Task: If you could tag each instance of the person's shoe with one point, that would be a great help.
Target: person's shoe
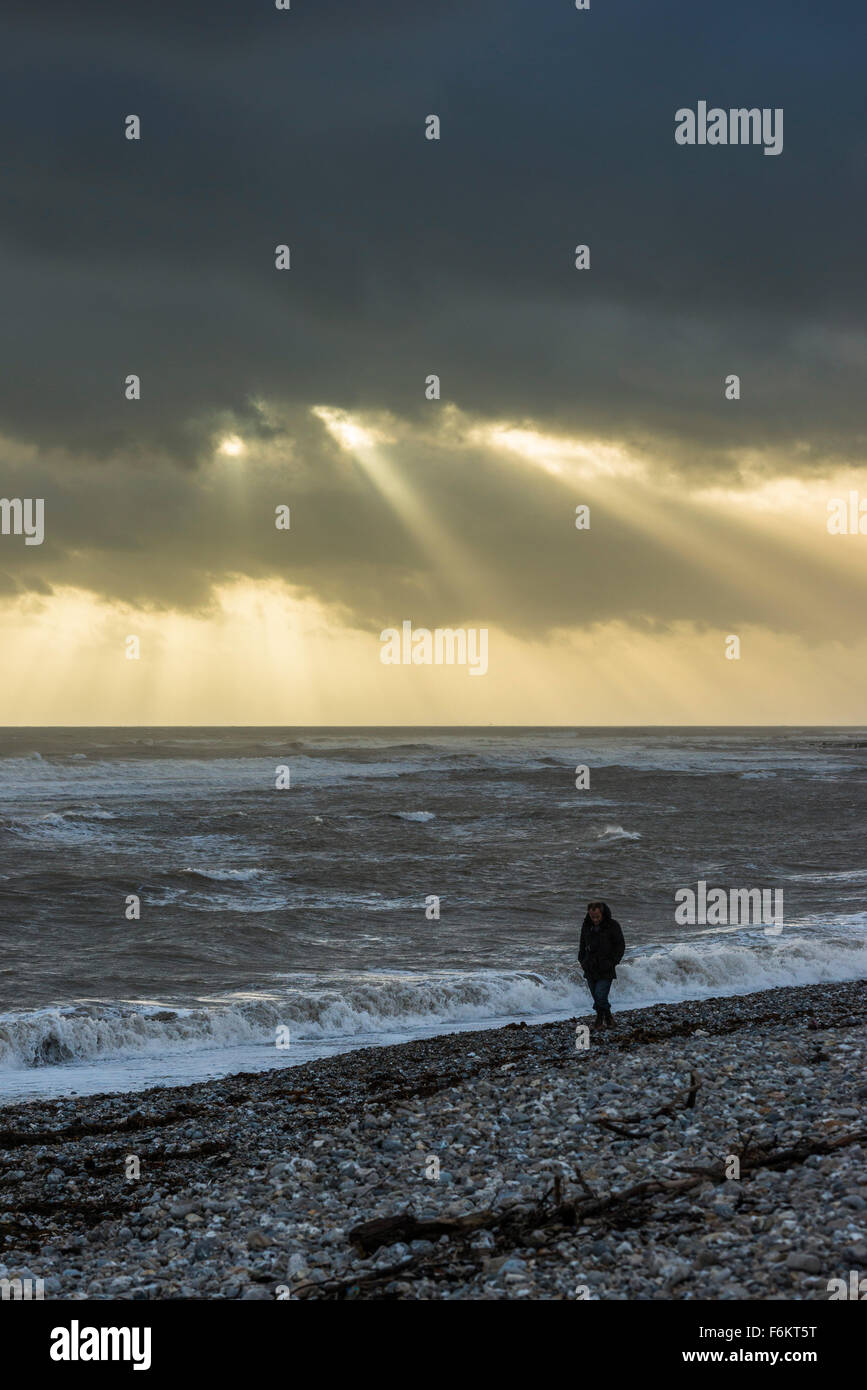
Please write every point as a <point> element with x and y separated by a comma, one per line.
<point>609,1021</point>
<point>597,1024</point>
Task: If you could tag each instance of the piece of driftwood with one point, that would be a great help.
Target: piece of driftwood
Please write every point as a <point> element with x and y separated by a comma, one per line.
<point>623,1124</point>
<point>604,1122</point>
<point>671,1107</point>
<point>584,1183</point>
<point>387,1230</point>
<point>375,1279</point>
<point>511,1227</point>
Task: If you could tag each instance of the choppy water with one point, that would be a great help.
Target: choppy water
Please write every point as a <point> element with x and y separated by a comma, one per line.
<point>305,907</point>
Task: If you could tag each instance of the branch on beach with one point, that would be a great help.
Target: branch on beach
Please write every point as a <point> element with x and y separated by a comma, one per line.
<point>387,1230</point>
<point>585,1184</point>
<point>420,1267</point>
<point>782,1158</point>
<point>605,1123</point>
<point>619,1123</point>
<point>779,1158</point>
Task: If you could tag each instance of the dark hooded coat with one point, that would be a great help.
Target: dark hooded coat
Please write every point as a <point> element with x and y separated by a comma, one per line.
<point>601,947</point>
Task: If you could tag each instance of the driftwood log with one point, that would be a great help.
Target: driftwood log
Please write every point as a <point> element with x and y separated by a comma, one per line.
<point>511,1226</point>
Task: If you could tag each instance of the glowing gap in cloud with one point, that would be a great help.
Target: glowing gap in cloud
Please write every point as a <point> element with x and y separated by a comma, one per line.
<point>459,566</point>
<point>232,446</point>
<point>579,459</point>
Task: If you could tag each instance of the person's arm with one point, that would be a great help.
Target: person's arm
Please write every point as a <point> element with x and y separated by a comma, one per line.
<point>582,949</point>
<point>619,943</point>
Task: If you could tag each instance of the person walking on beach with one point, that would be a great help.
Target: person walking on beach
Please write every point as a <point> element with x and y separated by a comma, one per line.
<point>601,949</point>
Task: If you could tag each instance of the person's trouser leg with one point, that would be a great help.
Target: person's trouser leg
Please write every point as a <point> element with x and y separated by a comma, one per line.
<point>600,997</point>
<point>591,985</point>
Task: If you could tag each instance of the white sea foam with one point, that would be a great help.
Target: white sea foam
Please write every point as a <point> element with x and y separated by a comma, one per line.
<point>836,876</point>
<point>616,832</point>
<point>60,827</point>
<point>223,875</point>
<point>733,964</point>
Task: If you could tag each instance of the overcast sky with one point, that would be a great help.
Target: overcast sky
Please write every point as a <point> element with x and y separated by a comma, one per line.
<point>306,387</point>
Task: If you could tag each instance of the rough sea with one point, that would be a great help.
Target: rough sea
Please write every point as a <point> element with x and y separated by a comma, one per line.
<point>302,913</point>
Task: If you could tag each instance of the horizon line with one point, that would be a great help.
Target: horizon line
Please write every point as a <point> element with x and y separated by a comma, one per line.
<point>16,728</point>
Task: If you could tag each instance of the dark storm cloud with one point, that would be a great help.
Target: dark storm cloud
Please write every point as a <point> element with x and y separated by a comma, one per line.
<point>410,257</point>
<point>489,543</point>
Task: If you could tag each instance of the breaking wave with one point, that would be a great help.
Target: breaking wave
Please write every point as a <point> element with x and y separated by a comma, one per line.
<point>616,832</point>
<point>60,827</point>
<point>350,1010</point>
<point>223,875</point>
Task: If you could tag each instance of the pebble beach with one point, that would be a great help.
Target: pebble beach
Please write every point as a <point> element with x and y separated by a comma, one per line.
<point>706,1150</point>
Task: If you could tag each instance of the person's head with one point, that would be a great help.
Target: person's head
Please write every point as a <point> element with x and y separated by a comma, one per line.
<point>596,911</point>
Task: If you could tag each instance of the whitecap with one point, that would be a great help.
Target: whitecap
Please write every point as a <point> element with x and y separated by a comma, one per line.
<point>616,832</point>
